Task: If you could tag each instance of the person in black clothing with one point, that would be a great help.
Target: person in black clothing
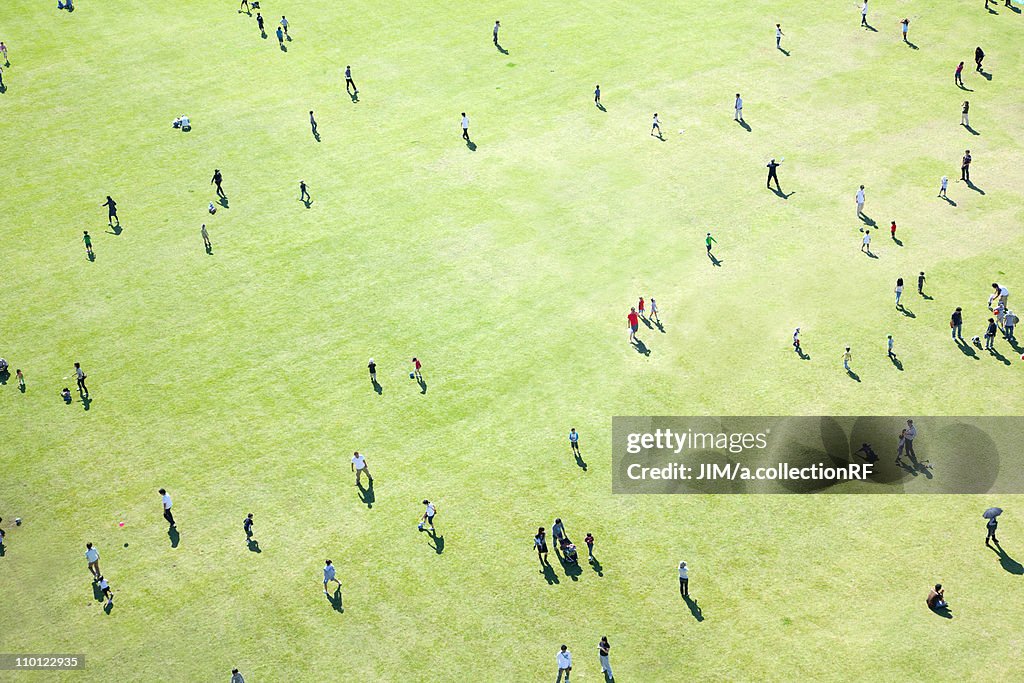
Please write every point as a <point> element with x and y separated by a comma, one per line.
<point>247,526</point>
<point>920,283</point>
<point>979,56</point>
<point>372,366</point>
<point>965,167</point>
<point>773,174</point>
<point>348,80</point>
<point>964,118</point>
<point>259,22</point>
<point>992,524</point>
<point>869,453</point>
<point>956,323</point>
<point>80,378</point>
<point>990,334</point>
<point>217,180</point>
<point>304,192</point>
<point>312,122</point>
<point>111,211</point>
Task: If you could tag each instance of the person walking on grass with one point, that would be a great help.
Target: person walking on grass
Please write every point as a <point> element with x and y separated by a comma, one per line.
<point>88,244</point>
<point>958,76</point>
<point>738,109</point>
<point>654,311</point>
<point>372,367</point>
<point>284,26</point>
<point>217,180</point>
<point>359,466</point>
<point>165,500</point>
<point>773,174</point>
<point>860,202</point>
<point>349,83</point>
<point>1010,320</point>
<point>244,5</point>
<point>428,515</point>
<point>656,125</point>
<point>847,357</point>
<point>905,25</point>
<point>111,211</point>
<point>236,677</point>
<point>280,37</point>
<point>465,127</point>
<point>684,580</point>
<point>796,341</point>
<point>892,231</point>
<point>564,660</point>
<point>920,283</point>
<point>864,14</point>
<point>259,23</point>
<point>640,308</point>
<point>21,380</point>
<point>80,378</point>
<point>304,192</point>
<point>597,95</point>
<point>589,540</point>
<point>991,525</point>
<point>312,123</point>
<point>247,525</point>
<point>898,290</point>
<point>979,57</point>
<point>541,545</point>
<point>778,36</point>
<point>3,51</point>
<point>603,650</point>
<point>965,167</point>
<point>708,240</point>
<point>865,244</point>
<point>574,441</point>
<point>944,183</point>
<point>330,575</point>
<point>909,434</point>
<point>634,324</point>
<point>889,347</point>
<point>206,237</point>
<point>92,556</point>
<point>558,533</point>
<point>956,324</point>
<point>990,335</point>
<point>105,591</point>
<point>497,26</point>
<point>964,120</point>
<point>416,367</point>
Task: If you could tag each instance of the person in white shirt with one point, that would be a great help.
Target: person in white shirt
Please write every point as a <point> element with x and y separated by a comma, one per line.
<point>166,500</point>
<point>945,183</point>
<point>236,677</point>
<point>778,36</point>
<point>465,127</point>
<point>105,590</point>
<point>1002,292</point>
<point>359,466</point>
<point>860,202</point>
<point>654,312</point>
<point>329,576</point>
<point>497,25</point>
<point>656,125</point>
<point>684,580</point>
<point>865,244</point>
<point>284,26</point>
<point>738,116</point>
<point>564,659</point>
<point>864,14</point>
<point>93,557</point>
<point>908,436</point>
<point>206,238</point>
<point>428,515</point>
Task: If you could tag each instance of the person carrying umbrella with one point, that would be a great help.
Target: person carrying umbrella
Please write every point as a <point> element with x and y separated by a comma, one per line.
<point>991,515</point>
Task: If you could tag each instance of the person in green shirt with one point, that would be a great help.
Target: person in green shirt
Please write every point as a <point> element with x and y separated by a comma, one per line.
<point>708,240</point>
<point>88,243</point>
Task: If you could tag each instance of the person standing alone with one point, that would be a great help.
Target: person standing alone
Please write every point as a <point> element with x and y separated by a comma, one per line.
<point>778,36</point>
<point>166,501</point>
<point>684,579</point>
<point>965,167</point>
<point>956,323</point>
<point>111,211</point>
<point>217,180</point>
<point>359,466</point>
<point>603,650</point>
<point>964,121</point>
<point>992,525</point>
<point>773,174</point>
<point>497,25</point>
<point>465,127</point>
<point>206,238</point>
<point>564,660</point>
<point>574,441</point>
<point>738,106</point>
<point>80,378</point>
<point>349,83</point>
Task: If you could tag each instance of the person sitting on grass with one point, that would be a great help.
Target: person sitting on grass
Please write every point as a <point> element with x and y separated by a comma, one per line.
<point>66,395</point>
<point>936,598</point>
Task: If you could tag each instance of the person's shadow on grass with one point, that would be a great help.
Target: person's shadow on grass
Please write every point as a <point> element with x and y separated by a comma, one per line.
<point>307,202</point>
<point>355,96</point>
<point>966,349</point>
<point>695,609</point>
<point>253,545</point>
<point>801,354</point>
<point>116,229</point>
<point>974,187</point>
<point>596,566</point>
<point>899,243</point>
<point>91,257</point>
<point>549,574</point>
<point>601,106</point>
<point>97,594</point>
<point>780,194</point>
<point>897,363</point>
<point>987,75</point>
<point>377,387</point>
<point>436,542</point>
<point>853,375</point>
<point>745,126</point>
<point>641,348</point>
<point>335,601</point>
<point>661,328</point>
<point>970,130</point>
<point>907,312</point>
<point>647,322</point>
<point>868,220</point>
<point>783,51</point>
<point>174,536</point>
<point>944,612</point>
<point>366,495</point>
<point>501,49</point>
<point>949,201</point>
<point>715,261</point>
<point>580,462</point>
<point>223,201</point>
<point>998,356</point>
<point>871,28</point>
<point>422,384</point>
<point>86,402</point>
<point>911,45</point>
<point>471,145</point>
<point>1008,563</point>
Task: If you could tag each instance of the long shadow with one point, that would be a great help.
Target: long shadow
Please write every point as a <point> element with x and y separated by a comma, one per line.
<point>661,328</point>
<point>115,229</point>
<point>872,254</point>
<point>803,356</point>
<point>570,569</point>
<point>436,542</point>
<point>907,312</point>
<point>909,469</point>
<point>926,297</point>
<point>366,495</point>
<point>964,87</point>
<point>966,349</point>
<point>868,220</point>
<point>949,201</point>
<point>1009,564</point>
<point>316,136</point>
<point>970,130</point>
<point>471,145</point>
<point>549,574</point>
<point>745,125</point>
<point>307,202</point>
<point>253,545</point>
<point>108,608</point>
<point>284,48</point>
<point>695,609</point>
<point>715,261</point>
<point>974,187</point>
<point>263,35</point>
<point>783,51</point>
<point>911,45</point>
<point>648,323</point>
<point>988,76</point>
<point>172,533</point>
<point>580,462</point>
<point>378,388</point>
<point>871,28</point>
<point>596,566</point>
<point>355,96</point>
<point>223,201</point>
<point>601,107</point>
<point>998,356</point>
<point>335,601</point>
<point>659,136</point>
<point>641,348</point>
<point>853,375</point>
<point>501,49</point>
<point>209,250</point>
<point>943,612</point>
<point>423,385</point>
<point>1015,346</point>
<point>91,257</point>
<point>781,194</point>
<point>898,242</point>
<point>97,594</point>
<point>897,362</point>
<point>1015,10</point>
<point>86,402</point>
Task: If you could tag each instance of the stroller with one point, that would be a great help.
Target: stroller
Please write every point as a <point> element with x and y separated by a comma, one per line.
<point>569,554</point>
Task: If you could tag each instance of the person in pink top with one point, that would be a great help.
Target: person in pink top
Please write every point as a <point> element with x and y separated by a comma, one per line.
<point>634,324</point>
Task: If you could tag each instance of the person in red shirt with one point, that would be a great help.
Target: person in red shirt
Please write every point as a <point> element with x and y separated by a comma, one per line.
<point>640,308</point>
<point>892,229</point>
<point>634,324</point>
<point>416,365</point>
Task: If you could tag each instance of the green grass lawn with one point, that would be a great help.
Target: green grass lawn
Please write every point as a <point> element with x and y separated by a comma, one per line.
<point>238,380</point>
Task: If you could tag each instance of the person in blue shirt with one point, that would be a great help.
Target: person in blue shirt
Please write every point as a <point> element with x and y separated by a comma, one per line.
<point>574,441</point>
<point>992,525</point>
